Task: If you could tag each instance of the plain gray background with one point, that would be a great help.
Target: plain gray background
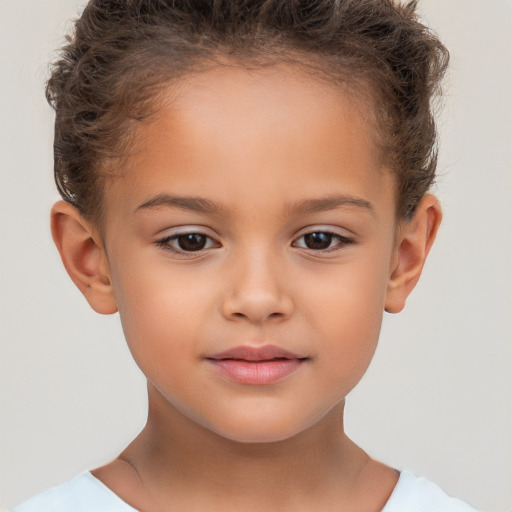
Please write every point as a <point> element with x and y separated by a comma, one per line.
<point>437,399</point>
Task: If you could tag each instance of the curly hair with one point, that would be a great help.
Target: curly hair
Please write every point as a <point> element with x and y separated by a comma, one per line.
<point>123,52</point>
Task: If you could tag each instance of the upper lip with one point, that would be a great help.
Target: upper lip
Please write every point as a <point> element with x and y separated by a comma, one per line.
<point>263,353</point>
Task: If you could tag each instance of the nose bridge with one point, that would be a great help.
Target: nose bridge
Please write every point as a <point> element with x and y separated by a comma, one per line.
<point>257,289</point>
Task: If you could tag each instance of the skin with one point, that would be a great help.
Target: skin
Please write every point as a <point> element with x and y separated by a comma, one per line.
<point>263,147</point>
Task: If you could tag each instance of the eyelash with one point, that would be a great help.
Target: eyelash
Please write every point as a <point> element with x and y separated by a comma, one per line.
<point>165,243</point>
<point>343,241</point>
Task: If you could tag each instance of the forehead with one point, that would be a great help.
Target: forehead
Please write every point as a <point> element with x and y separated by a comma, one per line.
<point>267,131</point>
<point>280,97</point>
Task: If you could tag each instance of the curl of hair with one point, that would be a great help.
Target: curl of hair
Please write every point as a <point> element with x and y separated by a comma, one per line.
<point>121,52</point>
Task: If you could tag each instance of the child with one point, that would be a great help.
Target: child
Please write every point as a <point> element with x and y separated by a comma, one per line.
<point>246,182</point>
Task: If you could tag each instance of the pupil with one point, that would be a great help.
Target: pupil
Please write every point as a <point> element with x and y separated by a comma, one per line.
<point>192,242</point>
<point>318,240</point>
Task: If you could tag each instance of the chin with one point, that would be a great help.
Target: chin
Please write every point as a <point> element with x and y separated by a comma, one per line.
<point>256,436</point>
<point>260,430</point>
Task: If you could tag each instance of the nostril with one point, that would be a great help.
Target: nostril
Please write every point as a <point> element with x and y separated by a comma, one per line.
<point>276,314</point>
<point>256,307</point>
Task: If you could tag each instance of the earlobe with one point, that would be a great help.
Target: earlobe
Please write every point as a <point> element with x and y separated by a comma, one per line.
<point>83,256</point>
<point>414,241</point>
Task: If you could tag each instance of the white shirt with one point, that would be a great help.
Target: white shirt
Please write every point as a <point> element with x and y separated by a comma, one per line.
<point>85,493</point>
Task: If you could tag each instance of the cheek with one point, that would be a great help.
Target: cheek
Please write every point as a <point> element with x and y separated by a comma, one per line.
<point>347,320</point>
<point>159,313</point>
<point>348,349</point>
<point>351,298</point>
<point>352,328</point>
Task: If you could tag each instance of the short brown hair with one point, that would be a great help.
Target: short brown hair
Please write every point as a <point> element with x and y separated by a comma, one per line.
<point>122,51</point>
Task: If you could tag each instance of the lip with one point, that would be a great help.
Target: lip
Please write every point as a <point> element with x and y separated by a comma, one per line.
<point>257,366</point>
<point>262,353</point>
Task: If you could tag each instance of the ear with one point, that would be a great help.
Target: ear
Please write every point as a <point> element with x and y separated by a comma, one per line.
<point>414,240</point>
<point>84,256</point>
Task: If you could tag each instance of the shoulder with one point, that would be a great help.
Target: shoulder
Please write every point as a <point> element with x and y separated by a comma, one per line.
<point>421,495</point>
<point>84,493</point>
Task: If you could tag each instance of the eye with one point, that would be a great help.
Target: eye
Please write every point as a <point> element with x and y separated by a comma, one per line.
<point>187,242</point>
<point>323,241</point>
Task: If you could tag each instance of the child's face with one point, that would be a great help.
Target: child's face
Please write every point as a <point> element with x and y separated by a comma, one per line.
<point>254,165</point>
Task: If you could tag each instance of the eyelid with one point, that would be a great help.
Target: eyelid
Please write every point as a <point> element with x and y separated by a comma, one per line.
<point>164,240</point>
<point>344,240</point>
<point>332,230</point>
<point>186,229</point>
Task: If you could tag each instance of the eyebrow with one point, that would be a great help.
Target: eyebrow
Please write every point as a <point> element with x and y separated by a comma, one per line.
<point>329,203</point>
<point>194,204</point>
<point>203,205</point>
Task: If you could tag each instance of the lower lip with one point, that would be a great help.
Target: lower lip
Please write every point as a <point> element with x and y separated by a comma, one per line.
<point>256,373</point>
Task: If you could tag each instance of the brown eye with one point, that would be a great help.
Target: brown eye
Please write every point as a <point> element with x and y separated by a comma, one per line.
<point>323,241</point>
<point>318,240</point>
<point>187,242</point>
<point>192,241</point>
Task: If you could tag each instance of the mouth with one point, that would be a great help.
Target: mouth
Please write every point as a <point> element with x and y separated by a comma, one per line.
<point>257,366</point>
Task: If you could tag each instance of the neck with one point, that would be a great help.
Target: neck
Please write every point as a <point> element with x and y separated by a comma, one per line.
<point>175,456</point>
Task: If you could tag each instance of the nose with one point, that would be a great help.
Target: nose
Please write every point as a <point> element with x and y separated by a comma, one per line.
<point>257,290</point>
